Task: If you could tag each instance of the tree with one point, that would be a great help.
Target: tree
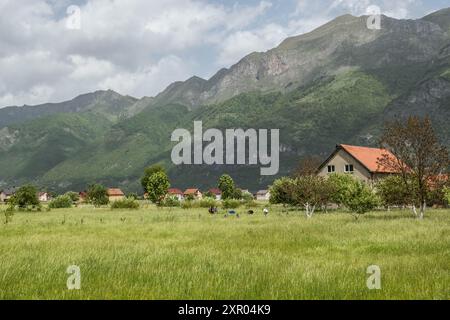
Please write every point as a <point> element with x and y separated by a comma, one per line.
<point>281,191</point>
<point>361,199</point>
<point>447,195</point>
<point>308,166</point>
<point>24,198</point>
<point>97,195</point>
<point>392,191</point>
<point>64,201</point>
<point>226,186</point>
<point>310,192</point>
<point>237,194</point>
<point>75,197</point>
<point>342,185</point>
<point>419,157</point>
<point>157,187</point>
<point>148,172</point>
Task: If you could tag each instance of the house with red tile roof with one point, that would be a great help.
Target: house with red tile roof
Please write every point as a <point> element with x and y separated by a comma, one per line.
<point>115,194</point>
<point>177,193</point>
<point>361,162</point>
<point>216,192</point>
<point>193,192</point>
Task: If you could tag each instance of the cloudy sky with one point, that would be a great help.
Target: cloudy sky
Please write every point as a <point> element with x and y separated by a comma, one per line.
<point>54,50</point>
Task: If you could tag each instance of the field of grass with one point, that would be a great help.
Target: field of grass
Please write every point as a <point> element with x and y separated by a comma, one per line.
<point>188,254</point>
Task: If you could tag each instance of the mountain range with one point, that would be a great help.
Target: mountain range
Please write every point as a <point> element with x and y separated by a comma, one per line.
<point>336,84</point>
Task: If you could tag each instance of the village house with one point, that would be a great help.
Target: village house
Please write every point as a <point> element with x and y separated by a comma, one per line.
<point>263,195</point>
<point>6,194</point>
<point>176,193</point>
<point>360,162</point>
<point>217,193</point>
<point>115,194</point>
<point>193,192</point>
<point>44,196</point>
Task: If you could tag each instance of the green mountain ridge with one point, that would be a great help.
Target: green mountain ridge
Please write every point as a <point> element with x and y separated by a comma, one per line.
<point>337,84</point>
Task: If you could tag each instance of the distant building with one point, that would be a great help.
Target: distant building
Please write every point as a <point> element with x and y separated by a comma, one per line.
<point>115,194</point>
<point>6,194</point>
<point>263,195</point>
<point>177,193</point>
<point>195,193</point>
<point>83,196</point>
<point>44,196</point>
<point>361,162</point>
<point>217,193</point>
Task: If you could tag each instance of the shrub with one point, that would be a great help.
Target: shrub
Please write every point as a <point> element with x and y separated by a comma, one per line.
<point>447,195</point>
<point>187,204</point>
<point>231,204</point>
<point>341,184</point>
<point>171,202</point>
<point>207,203</point>
<point>281,191</point>
<point>127,203</point>
<point>73,195</point>
<point>60,202</point>
<point>361,199</point>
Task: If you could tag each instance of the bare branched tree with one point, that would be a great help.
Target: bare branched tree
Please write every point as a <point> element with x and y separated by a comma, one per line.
<point>419,157</point>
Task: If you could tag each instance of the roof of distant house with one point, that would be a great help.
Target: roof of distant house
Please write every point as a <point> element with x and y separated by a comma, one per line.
<point>174,191</point>
<point>191,191</point>
<point>262,192</point>
<point>366,156</point>
<point>115,192</point>
<point>215,191</point>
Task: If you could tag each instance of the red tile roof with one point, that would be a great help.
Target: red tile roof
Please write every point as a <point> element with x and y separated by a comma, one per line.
<point>369,157</point>
<point>191,191</point>
<point>115,192</point>
<point>174,191</point>
<point>215,191</point>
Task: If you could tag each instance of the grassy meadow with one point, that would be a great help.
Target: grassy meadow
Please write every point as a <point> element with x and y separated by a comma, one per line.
<point>189,254</point>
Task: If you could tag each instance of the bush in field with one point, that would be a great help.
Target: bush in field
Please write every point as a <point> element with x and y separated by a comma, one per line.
<point>207,203</point>
<point>75,197</point>
<point>231,204</point>
<point>341,185</point>
<point>392,191</point>
<point>281,191</point>
<point>187,204</point>
<point>25,198</point>
<point>60,202</point>
<point>447,195</point>
<point>171,202</point>
<point>97,195</point>
<point>361,199</point>
<point>127,203</point>
<point>237,194</point>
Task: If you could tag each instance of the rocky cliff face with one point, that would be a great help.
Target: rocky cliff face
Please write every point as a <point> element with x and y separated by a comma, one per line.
<point>344,43</point>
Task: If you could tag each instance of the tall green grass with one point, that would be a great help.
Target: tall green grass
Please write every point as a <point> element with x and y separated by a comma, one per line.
<point>189,254</point>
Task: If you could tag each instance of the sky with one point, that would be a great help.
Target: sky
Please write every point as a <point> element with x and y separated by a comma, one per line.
<point>54,50</point>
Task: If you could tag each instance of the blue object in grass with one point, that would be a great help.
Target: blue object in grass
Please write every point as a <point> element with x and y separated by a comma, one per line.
<point>231,212</point>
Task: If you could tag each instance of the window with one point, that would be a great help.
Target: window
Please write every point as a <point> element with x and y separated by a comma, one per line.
<point>349,168</point>
<point>331,169</point>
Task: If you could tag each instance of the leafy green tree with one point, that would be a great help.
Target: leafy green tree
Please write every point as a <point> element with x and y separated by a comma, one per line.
<point>226,186</point>
<point>24,198</point>
<point>281,191</point>
<point>97,195</point>
<point>310,192</point>
<point>75,197</point>
<point>237,194</point>
<point>209,194</point>
<point>447,195</point>
<point>393,192</point>
<point>157,187</point>
<point>148,172</point>
<point>341,184</point>
<point>361,199</point>
<point>64,201</point>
